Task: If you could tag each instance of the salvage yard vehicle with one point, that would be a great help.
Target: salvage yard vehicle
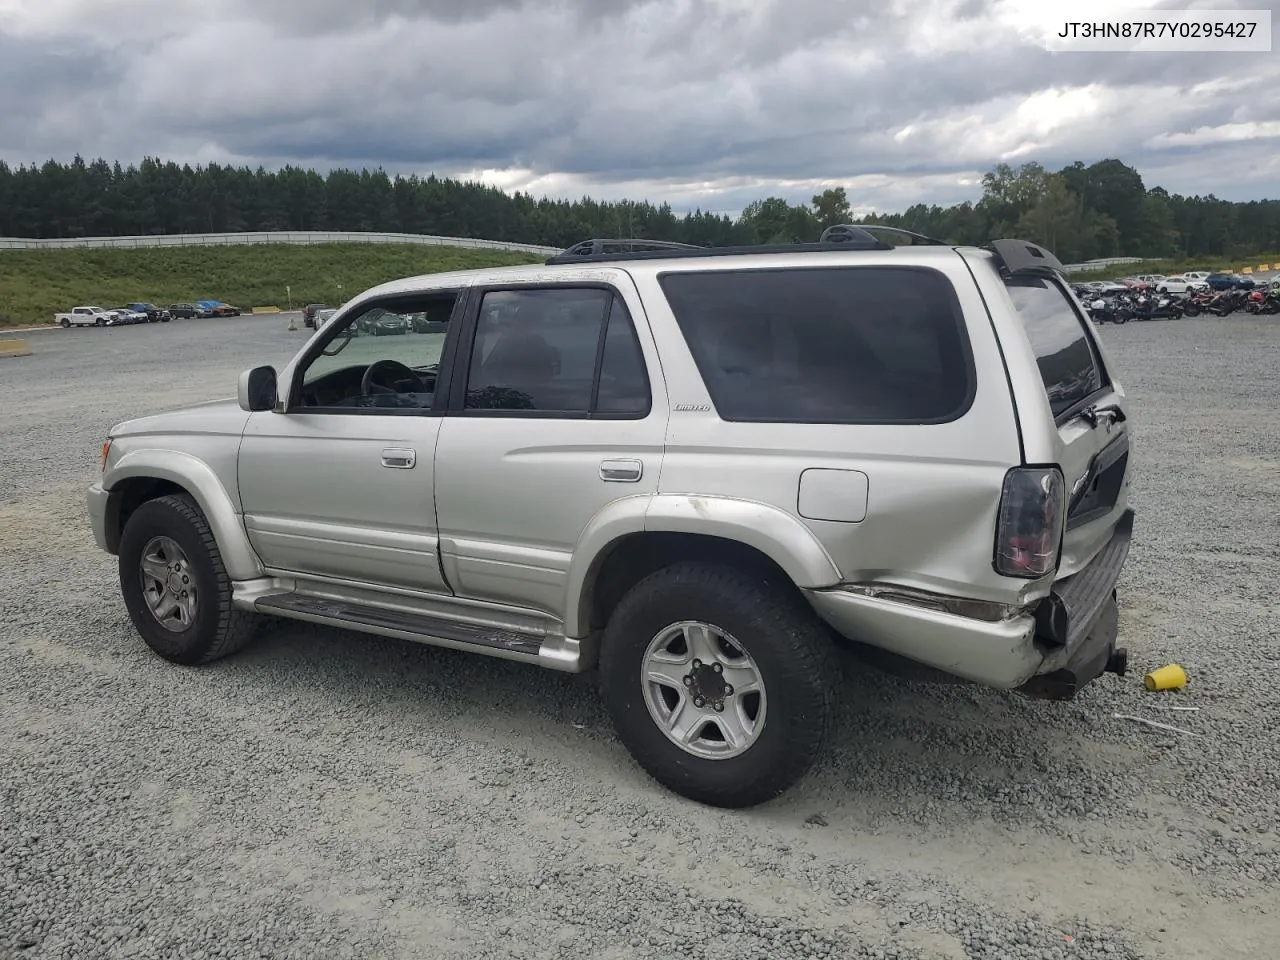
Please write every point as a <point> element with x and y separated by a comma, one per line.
<point>216,308</point>
<point>186,311</point>
<point>153,313</point>
<point>125,316</point>
<point>84,317</point>
<point>309,313</point>
<point>699,470</point>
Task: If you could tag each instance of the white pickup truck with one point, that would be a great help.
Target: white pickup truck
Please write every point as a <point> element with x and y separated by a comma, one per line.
<point>85,317</point>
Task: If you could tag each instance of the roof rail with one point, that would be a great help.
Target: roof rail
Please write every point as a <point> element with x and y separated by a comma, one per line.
<point>847,233</point>
<point>611,248</point>
<point>917,239</point>
<point>596,251</point>
<point>1024,258</point>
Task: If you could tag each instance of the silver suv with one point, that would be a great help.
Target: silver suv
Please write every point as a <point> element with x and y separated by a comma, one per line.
<point>701,470</point>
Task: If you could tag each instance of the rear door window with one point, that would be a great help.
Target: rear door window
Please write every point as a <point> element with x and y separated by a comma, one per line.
<point>866,345</point>
<point>1069,364</point>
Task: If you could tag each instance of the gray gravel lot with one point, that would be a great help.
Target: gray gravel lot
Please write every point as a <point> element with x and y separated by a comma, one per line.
<point>326,794</point>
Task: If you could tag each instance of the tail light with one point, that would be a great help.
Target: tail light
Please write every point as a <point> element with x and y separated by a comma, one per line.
<point>1029,529</point>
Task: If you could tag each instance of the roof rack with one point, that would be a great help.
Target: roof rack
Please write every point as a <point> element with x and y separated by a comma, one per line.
<point>616,249</point>
<point>597,251</point>
<point>917,239</point>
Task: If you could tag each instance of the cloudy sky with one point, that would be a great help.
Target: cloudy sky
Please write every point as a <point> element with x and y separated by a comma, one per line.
<point>711,103</point>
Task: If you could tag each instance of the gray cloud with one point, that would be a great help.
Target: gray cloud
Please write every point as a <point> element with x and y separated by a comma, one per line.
<point>704,102</point>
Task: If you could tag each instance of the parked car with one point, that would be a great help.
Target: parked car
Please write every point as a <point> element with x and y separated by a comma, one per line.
<point>186,311</point>
<point>686,468</point>
<point>154,314</point>
<point>1196,274</point>
<point>84,317</point>
<point>1244,281</point>
<point>309,313</point>
<point>384,323</point>
<point>1180,284</point>
<point>126,316</point>
<point>216,308</point>
<point>1225,281</point>
<point>322,316</point>
<point>1101,287</point>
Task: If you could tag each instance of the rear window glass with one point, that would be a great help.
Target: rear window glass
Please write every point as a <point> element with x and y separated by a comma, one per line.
<point>826,345</point>
<point>1068,363</point>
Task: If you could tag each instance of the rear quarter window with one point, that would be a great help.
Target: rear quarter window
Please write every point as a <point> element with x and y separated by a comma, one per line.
<point>1069,364</point>
<point>856,345</point>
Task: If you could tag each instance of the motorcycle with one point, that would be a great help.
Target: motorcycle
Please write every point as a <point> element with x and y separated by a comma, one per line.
<point>1198,302</point>
<point>1156,308</point>
<point>1261,304</point>
<point>1228,302</point>
<point>1109,311</point>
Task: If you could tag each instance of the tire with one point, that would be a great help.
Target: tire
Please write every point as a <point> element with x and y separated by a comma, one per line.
<point>1118,319</point>
<point>785,643</point>
<point>64,323</point>
<point>216,629</point>
<point>98,322</point>
<point>1191,310</point>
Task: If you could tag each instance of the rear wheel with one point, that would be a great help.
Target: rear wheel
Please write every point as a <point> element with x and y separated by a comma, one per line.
<point>65,322</point>
<point>175,586</point>
<point>720,683</point>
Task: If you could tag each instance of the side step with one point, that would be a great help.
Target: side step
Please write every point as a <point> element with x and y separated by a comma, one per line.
<point>553,651</point>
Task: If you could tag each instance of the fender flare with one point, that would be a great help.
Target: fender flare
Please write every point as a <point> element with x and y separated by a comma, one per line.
<point>198,479</point>
<point>780,536</point>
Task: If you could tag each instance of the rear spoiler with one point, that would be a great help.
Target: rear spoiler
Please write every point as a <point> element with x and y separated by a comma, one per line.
<point>1021,258</point>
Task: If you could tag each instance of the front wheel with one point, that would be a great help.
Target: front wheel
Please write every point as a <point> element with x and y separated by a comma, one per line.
<point>720,683</point>
<point>175,586</point>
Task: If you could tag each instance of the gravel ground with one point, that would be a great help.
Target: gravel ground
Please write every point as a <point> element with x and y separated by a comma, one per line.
<point>326,794</point>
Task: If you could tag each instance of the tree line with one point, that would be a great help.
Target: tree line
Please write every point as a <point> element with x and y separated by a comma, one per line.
<point>1080,212</point>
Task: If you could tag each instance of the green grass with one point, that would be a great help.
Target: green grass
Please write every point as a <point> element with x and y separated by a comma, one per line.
<point>36,284</point>
<point>1171,268</point>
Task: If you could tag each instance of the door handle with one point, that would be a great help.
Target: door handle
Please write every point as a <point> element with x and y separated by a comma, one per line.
<point>621,471</point>
<point>399,458</point>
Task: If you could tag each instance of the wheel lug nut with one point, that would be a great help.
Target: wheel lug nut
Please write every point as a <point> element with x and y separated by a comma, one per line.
<point>185,580</point>
<point>719,705</point>
<point>697,664</point>
<point>717,668</point>
<point>728,690</point>
<point>688,681</point>
<point>699,702</point>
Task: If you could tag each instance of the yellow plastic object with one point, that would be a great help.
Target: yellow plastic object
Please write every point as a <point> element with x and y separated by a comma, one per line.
<point>1172,677</point>
<point>14,348</point>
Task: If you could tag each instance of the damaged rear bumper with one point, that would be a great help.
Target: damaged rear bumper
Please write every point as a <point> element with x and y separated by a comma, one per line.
<point>1077,624</point>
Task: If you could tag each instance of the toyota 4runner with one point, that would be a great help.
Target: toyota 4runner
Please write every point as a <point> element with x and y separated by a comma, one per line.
<point>700,470</point>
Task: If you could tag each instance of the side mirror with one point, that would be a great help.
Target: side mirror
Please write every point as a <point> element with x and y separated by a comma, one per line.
<point>257,390</point>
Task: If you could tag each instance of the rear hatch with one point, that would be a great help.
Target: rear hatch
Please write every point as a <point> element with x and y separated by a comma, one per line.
<point>1076,415</point>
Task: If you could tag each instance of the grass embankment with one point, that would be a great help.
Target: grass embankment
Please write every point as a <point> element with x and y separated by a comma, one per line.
<point>1172,268</point>
<point>36,284</point>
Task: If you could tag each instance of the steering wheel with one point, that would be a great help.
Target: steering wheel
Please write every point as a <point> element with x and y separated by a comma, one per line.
<point>368,382</point>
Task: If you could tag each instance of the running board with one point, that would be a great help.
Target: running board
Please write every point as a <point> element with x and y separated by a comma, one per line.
<point>552,651</point>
